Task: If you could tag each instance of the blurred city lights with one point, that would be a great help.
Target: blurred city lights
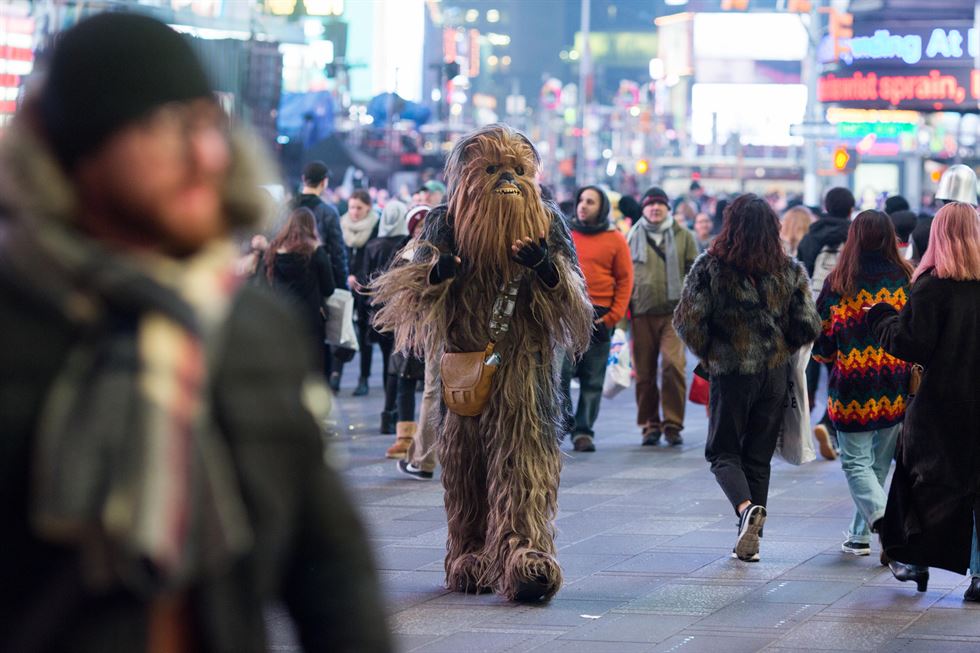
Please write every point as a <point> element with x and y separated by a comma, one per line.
<point>493,16</point>
<point>472,15</point>
<point>505,60</point>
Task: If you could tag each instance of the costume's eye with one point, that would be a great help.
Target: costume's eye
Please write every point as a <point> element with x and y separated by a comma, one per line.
<point>519,170</point>
<point>492,169</point>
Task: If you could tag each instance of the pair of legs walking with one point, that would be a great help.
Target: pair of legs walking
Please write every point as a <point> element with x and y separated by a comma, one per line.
<point>866,458</point>
<point>591,372</point>
<point>655,340</point>
<point>745,416</point>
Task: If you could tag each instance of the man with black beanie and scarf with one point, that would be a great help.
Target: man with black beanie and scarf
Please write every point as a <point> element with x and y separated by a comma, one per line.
<point>605,261</point>
<point>162,468</point>
<point>662,252</point>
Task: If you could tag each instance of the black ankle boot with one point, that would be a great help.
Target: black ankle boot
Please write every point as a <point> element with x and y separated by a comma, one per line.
<point>388,420</point>
<point>973,591</point>
<point>905,573</point>
<point>362,387</point>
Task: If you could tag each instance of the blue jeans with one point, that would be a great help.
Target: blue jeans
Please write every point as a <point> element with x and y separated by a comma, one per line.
<point>591,372</point>
<point>866,458</point>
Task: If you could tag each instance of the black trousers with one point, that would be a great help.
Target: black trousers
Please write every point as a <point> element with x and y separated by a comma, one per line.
<point>745,416</point>
<point>366,337</point>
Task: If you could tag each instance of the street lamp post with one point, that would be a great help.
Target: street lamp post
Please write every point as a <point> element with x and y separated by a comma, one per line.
<point>584,72</point>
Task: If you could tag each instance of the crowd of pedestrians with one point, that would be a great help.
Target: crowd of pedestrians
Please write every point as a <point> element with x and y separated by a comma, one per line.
<point>125,330</point>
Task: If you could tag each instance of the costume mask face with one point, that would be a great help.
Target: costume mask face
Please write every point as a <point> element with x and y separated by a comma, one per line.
<point>493,197</point>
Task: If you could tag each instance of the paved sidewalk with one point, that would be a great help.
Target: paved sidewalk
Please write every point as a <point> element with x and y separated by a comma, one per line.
<point>645,537</point>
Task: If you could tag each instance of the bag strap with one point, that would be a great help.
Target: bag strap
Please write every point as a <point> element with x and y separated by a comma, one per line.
<point>656,248</point>
<point>503,308</point>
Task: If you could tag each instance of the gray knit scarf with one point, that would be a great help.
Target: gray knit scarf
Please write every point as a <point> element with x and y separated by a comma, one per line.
<point>637,239</point>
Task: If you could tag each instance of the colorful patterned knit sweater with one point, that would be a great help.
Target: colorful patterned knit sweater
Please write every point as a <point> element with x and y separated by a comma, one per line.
<point>868,387</point>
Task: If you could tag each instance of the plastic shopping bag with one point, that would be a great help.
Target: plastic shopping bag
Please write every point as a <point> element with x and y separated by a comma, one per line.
<point>619,372</point>
<point>339,329</point>
<point>795,445</point>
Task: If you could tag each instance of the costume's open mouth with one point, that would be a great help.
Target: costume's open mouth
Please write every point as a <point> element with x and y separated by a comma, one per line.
<point>507,188</point>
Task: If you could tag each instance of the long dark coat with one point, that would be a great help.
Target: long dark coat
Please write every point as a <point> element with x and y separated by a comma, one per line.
<point>935,492</point>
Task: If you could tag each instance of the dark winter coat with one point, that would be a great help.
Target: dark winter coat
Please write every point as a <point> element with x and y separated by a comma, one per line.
<point>305,281</point>
<point>357,256</point>
<point>739,325</point>
<point>310,552</point>
<point>935,492</point>
<point>328,226</point>
<point>829,231</point>
<point>920,235</point>
<point>378,255</point>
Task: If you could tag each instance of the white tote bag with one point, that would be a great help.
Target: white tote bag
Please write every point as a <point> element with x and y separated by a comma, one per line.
<point>795,445</point>
<point>619,371</point>
<point>339,329</point>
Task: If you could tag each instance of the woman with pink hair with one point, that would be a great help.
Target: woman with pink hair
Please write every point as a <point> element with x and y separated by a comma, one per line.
<point>934,501</point>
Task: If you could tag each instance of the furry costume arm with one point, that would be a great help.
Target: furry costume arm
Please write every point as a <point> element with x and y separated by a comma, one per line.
<point>565,308</point>
<point>803,322</point>
<point>409,297</point>
<point>691,317</point>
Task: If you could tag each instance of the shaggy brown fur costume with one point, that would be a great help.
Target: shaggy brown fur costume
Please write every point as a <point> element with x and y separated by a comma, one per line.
<point>500,469</point>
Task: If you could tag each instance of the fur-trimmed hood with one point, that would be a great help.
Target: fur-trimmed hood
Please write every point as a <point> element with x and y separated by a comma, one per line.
<point>739,325</point>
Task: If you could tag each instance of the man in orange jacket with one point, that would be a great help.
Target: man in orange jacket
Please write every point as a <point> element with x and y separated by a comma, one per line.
<point>605,260</point>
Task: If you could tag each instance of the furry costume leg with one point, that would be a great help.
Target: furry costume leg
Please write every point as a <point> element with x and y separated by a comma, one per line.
<point>464,478</point>
<point>523,472</point>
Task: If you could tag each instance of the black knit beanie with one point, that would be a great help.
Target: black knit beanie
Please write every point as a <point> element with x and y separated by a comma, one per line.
<point>653,195</point>
<point>108,71</point>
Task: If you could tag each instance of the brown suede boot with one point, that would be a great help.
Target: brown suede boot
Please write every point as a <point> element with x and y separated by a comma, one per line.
<point>404,434</point>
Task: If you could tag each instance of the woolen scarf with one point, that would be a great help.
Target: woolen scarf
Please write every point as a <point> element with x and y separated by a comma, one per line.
<point>637,239</point>
<point>357,233</point>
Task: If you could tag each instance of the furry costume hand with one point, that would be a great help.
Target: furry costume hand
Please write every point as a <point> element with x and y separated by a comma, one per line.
<point>535,256</point>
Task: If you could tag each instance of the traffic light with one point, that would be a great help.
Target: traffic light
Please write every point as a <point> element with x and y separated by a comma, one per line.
<point>642,167</point>
<point>841,158</point>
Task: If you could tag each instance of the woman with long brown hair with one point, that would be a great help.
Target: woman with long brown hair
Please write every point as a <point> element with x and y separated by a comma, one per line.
<point>934,499</point>
<point>745,308</point>
<point>868,389</point>
<point>794,225</point>
<point>299,268</point>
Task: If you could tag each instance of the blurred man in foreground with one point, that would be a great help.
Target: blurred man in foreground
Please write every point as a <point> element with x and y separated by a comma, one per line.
<point>161,468</point>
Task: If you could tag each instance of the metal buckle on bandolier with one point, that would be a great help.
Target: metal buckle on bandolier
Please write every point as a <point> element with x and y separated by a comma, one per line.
<point>503,308</point>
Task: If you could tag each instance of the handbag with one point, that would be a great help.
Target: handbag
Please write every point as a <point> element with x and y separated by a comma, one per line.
<point>338,331</point>
<point>795,444</point>
<point>915,379</point>
<point>466,380</point>
<point>619,371</point>
<point>700,390</point>
<point>467,376</point>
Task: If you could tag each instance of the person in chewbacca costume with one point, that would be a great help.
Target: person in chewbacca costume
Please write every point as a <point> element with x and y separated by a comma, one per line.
<point>494,240</point>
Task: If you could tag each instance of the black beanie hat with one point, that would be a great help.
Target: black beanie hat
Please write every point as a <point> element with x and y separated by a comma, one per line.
<point>655,194</point>
<point>896,203</point>
<point>839,202</point>
<point>630,208</point>
<point>106,72</point>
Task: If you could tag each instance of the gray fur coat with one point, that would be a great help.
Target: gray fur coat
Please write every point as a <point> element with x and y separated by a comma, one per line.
<point>737,325</point>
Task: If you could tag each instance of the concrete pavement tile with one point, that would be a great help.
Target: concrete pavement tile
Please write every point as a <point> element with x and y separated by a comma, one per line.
<point>703,538</point>
<point>659,562</point>
<point>432,619</point>
<point>407,558</point>
<point>954,600</point>
<point>802,591</point>
<point>411,499</point>
<point>867,635</point>
<point>662,525</point>
<point>938,579</point>
<point>929,646</point>
<point>576,502</point>
<point>406,643</point>
<point>397,601</point>
<point>429,514</point>
<point>631,628</point>
<point>893,598</point>
<point>415,581</point>
<point>698,643</point>
<point>484,642</point>
<point>559,612</point>
<point>686,598</point>
<point>615,486</point>
<point>659,472</point>
<point>837,567</point>
<point>401,529</point>
<point>587,646</point>
<point>586,564</point>
<point>616,544</point>
<point>946,623</point>
<point>746,614</point>
<point>730,569</point>
<point>610,586</point>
